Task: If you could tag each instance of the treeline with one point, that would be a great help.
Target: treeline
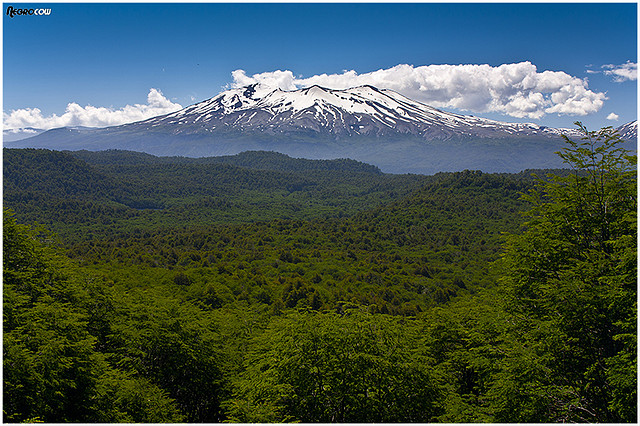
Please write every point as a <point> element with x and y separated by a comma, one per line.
<point>258,160</point>
<point>55,188</point>
<point>111,192</point>
<point>443,306</point>
<point>85,195</point>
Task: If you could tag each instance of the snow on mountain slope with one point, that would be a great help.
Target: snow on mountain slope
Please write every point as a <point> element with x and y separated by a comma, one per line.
<point>363,110</point>
<point>629,131</point>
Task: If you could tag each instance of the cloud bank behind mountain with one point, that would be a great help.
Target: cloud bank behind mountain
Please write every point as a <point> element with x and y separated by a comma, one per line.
<point>517,90</point>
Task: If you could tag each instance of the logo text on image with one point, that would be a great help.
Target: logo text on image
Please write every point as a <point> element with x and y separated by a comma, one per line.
<point>11,12</point>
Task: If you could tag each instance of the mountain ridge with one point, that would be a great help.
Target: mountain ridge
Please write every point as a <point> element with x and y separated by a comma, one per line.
<point>361,110</point>
<point>364,123</point>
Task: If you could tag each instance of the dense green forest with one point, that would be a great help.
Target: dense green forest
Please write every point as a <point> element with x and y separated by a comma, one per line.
<point>261,288</point>
<point>89,194</point>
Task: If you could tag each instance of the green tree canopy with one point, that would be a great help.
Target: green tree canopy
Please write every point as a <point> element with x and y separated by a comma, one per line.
<point>571,280</point>
<point>354,367</point>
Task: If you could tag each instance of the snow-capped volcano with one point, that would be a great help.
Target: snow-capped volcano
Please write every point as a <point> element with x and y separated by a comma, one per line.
<point>377,126</point>
<point>363,110</point>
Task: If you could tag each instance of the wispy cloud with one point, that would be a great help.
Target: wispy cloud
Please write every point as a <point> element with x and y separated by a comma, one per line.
<point>517,90</point>
<point>624,72</point>
<point>620,73</point>
<point>90,116</point>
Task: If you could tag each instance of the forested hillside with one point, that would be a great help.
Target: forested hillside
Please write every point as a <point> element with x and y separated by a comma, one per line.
<point>117,191</point>
<point>260,288</point>
<point>259,160</point>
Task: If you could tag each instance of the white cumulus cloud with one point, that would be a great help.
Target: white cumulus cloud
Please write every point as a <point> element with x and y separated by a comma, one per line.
<point>613,116</point>
<point>90,116</point>
<point>276,79</point>
<point>518,90</point>
<point>624,72</point>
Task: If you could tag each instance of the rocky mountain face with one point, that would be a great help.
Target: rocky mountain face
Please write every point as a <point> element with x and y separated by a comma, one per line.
<point>377,126</point>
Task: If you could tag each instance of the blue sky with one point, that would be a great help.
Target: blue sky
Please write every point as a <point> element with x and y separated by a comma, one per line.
<point>106,58</point>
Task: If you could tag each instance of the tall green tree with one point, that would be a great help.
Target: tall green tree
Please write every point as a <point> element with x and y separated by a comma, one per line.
<point>174,345</point>
<point>571,282</point>
<point>52,369</point>
<point>353,367</point>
